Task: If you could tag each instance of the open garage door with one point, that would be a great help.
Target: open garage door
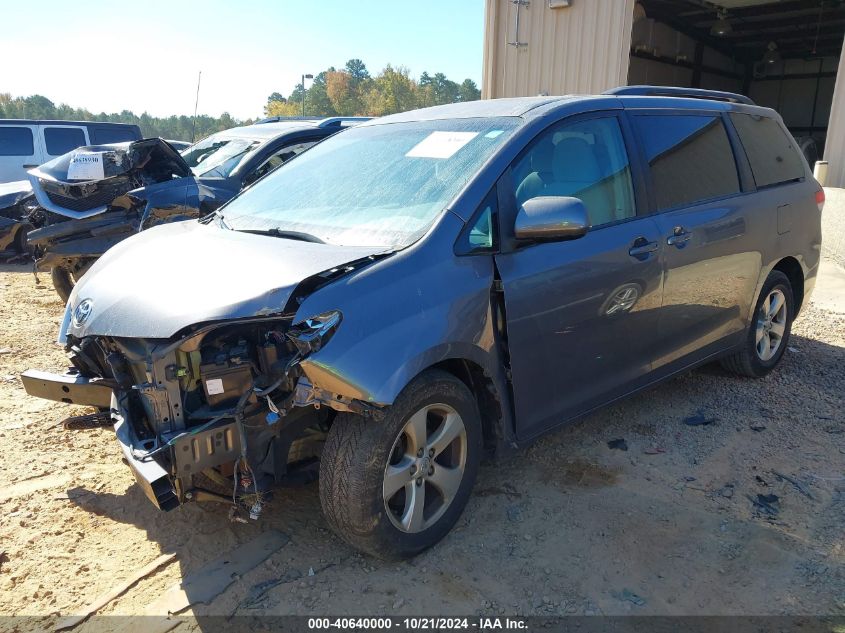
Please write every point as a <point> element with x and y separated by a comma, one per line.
<point>783,54</point>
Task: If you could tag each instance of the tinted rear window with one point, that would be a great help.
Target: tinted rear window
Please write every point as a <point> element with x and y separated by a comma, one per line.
<point>16,141</point>
<point>690,158</point>
<point>772,153</point>
<point>60,140</point>
<point>103,135</point>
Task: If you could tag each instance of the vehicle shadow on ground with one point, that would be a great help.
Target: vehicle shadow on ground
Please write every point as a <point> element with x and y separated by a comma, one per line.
<point>199,533</point>
<point>16,267</point>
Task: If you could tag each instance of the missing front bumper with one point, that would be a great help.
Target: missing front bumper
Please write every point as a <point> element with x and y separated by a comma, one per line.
<point>70,388</point>
<point>166,476</point>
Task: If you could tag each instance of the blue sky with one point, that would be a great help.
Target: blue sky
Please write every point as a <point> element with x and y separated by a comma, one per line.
<point>110,56</point>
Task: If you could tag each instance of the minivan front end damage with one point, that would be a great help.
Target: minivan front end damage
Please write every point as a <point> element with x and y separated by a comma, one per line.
<point>222,413</point>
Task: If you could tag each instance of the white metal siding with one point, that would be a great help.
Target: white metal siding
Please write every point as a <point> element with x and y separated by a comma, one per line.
<point>579,49</point>
<point>834,151</point>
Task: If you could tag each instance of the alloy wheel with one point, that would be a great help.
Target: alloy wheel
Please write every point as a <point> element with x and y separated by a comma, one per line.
<point>771,325</point>
<point>425,468</point>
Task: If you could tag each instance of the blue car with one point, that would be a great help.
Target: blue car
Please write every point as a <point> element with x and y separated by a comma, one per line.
<point>432,286</point>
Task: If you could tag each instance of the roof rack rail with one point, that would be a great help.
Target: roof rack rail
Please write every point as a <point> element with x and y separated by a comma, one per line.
<point>340,120</point>
<point>671,91</point>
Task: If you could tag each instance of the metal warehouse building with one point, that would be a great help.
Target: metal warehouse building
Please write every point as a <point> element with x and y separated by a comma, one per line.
<point>784,54</point>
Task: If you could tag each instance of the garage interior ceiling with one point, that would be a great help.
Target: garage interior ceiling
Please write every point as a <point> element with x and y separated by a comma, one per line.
<point>733,4</point>
<point>800,28</point>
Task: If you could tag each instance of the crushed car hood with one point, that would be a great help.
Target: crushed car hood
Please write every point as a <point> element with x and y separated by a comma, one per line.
<point>108,161</point>
<point>172,276</point>
<point>86,180</point>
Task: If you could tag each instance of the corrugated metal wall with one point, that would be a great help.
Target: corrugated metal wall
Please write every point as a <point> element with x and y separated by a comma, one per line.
<point>583,48</point>
<point>834,151</point>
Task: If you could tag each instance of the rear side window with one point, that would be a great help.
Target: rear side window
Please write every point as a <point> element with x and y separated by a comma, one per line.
<point>104,135</point>
<point>61,140</point>
<point>690,158</point>
<point>16,141</point>
<point>772,153</point>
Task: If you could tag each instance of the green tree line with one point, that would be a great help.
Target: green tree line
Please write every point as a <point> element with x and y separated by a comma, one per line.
<point>352,91</point>
<point>179,128</point>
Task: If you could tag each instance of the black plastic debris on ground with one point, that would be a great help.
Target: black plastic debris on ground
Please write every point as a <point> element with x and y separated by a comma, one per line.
<point>626,595</point>
<point>766,504</point>
<point>799,485</point>
<point>618,444</point>
<point>699,419</point>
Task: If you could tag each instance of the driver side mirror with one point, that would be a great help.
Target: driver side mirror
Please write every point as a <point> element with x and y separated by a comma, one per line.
<point>551,218</point>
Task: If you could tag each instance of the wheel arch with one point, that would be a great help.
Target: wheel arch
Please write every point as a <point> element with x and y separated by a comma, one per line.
<point>790,267</point>
<point>491,405</point>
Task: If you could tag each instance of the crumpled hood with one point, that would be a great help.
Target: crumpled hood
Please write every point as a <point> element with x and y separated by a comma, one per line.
<point>99,162</point>
<point>175,275</point>
<point>87,180</point>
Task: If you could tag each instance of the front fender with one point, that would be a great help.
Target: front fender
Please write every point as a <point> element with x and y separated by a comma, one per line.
<point>169,201</point>
<point>403,314</point>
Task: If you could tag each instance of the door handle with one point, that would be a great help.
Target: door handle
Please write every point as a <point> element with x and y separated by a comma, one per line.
<point>29,166</point>
<point>680,236</point>
<point>642,247</point>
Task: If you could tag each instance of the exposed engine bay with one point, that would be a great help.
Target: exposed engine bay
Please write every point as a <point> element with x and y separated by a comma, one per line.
<point>222,413</point>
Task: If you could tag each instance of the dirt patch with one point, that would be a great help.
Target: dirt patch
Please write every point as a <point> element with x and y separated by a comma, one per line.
<point>581,473</point>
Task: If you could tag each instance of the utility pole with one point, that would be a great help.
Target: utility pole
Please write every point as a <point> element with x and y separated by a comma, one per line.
<point>196,103</point>
<point>304,77</point>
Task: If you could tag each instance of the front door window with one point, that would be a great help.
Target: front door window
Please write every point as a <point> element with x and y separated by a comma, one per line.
<point>585,160</point>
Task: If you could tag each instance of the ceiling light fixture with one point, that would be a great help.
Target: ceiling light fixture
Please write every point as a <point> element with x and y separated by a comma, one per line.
<point>721,28</point>
<point>772,55</point>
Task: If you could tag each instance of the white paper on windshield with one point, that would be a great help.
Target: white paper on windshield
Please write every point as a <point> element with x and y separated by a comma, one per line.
<point>441,144</point>
<point>86,166</point>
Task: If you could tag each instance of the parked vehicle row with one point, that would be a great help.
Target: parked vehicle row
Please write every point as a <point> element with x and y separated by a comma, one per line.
<point>93,197</point>
<point>433,285</point>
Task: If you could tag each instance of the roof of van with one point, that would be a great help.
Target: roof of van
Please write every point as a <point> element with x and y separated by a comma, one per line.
<point>644,96</point>
<point>56,122</point>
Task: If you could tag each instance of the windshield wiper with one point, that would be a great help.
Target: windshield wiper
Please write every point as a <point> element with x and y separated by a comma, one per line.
<point>214,215</point>
<point>284,233</point>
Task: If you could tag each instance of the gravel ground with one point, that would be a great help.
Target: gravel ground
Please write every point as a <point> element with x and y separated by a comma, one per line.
<point>568,526</point>
<point>833,244</point>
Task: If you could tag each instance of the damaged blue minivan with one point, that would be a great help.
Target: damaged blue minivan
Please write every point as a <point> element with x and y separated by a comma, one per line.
<point>433,286</point>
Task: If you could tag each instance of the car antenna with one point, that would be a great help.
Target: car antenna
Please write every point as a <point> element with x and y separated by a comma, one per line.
<point>196,103</point>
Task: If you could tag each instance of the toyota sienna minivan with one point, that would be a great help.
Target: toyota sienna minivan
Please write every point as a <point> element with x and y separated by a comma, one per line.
<point>431,286</point>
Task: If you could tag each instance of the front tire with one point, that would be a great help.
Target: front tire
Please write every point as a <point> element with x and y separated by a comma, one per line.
<point>768,334</point>
<point>396,486</point>
<point>65,278</point>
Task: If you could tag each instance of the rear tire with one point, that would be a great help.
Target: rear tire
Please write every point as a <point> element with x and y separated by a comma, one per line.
<point>425,451</point>
<point>768,333</point>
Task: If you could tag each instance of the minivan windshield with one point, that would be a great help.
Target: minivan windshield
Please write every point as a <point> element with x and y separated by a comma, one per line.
<point>374,185</point>
<point>218,155</point>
